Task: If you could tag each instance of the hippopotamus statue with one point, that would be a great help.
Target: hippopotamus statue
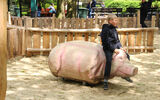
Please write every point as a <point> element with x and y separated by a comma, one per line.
<point>85,61</point>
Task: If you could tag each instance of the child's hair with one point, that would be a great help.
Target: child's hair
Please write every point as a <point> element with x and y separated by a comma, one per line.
<point>111,17</point>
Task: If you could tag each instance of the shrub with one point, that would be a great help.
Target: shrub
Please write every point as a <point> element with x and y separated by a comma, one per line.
<point>123,4</point>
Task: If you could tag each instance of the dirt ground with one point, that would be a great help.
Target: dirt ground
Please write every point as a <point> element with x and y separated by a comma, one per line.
<point>31,79</point>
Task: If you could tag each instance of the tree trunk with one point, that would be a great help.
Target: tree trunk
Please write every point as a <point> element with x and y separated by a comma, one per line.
<point>20,7</point>
<point>60,9</point>
<point>3,49</point>
<point>72,8</point>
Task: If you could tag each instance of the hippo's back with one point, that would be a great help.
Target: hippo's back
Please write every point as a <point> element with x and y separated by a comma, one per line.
<point>78,60</point>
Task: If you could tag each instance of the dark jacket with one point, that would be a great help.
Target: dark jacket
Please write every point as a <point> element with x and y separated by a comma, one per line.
<point>145,6</point>
<point>93,3</point>
<point>109,37</point>
<point>39,8</point>
<point>89,6</point>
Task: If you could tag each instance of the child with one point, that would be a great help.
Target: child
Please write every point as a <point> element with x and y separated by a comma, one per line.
<point>111,44</point>
<point>52,9</point>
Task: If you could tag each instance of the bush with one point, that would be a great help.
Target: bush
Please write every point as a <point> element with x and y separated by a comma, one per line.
<point>155,4</point>
<point>123,4</point>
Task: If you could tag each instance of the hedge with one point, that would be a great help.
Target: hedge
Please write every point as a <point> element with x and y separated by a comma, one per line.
<point>123,4</point>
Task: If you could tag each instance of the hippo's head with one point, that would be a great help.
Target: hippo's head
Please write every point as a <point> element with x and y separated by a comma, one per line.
<point>121,66</point>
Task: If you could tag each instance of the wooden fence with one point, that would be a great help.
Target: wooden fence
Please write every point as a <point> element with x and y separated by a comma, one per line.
<point>77,23</point>
<point>35,41</point>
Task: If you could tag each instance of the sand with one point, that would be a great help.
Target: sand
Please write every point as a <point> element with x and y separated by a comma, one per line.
<point>31,79</point>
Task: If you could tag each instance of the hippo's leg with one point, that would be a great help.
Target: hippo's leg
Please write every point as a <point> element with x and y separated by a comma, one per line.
<point>84,83</point>
<point>87,84</point>
<point>128,56</point>
<point>127,79</point>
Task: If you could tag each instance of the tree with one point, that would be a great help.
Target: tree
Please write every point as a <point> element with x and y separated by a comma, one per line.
<point>72,8</point>
<point>60,9</point>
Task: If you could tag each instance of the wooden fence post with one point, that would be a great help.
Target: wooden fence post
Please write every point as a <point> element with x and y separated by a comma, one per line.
<point>138,19</point>
<point>157,19</point>
<point>3,49</point>
<point>53,21</point>
<point>27,40</point>
<point>96,21</point>
<point>9,18</point>
<point>153,21</point>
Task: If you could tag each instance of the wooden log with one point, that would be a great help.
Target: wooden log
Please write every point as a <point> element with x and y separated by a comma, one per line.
<point>46,42</point>
<point>78,36</point>
<point>20,22</point>
<point>9,19</point>
<point>124,22</point>
<point>93,37</point>
<point>69,36</point>
<point>49,21</point>
<point>138,41</point>
<point>35,20</point>
<point>131,41</point>
<point>153,21</point>
<point>91,23</point>
<point>3,49</point>
<point>134,22</point>
<point>87,23</point>
<point>10,43</point>
<point>96,21</point>
<point>63,23</point>
<point>36,37</point>
<point>73,23</point>
<point>123,38</point>
<point>28,23</point>
<point>58,23</point>
<point>84,30</point>
<point>61,37</point>
<point>138,19</point>
<point>45,22</point>
<point>157,19</point>
<point>12,20</point>
<point>119,22</point>
<point>38,50</point>
<point>145,40</point>
<point>54,39</point>
<point>19,34</point>
<point>16,21</point>
<point>86,35</point>
<point>53,21</point>
<point>14,41</point>
<point>82,25</point>
<point>68,23</point>
<point>36,41</point>
<point>129,22</point>
<point>23,43</point>
<point>76,24</point>
<point>150,37</point>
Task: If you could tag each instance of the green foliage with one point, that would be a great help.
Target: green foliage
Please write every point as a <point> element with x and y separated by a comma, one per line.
<point>123,4</point>
<point>156,4</point>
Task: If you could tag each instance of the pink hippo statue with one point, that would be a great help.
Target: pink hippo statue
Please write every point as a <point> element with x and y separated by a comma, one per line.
<point>85,61</point>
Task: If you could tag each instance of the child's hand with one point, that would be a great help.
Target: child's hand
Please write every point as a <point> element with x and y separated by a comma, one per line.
<point>116,51</point>
<point>123,49</point>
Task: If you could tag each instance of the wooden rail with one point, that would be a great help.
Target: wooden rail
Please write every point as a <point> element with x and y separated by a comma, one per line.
<point>35,41</point>
<point>76,23</point>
